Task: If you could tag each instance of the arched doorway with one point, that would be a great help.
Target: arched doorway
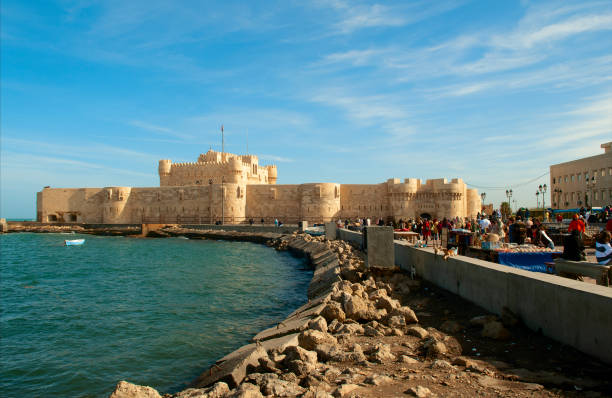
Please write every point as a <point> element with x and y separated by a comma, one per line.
<point>426,215</point>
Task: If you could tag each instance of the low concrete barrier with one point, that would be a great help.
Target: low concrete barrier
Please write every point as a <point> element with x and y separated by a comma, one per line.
<point>572,312</point>
<point>350,236</point>
<point>285,229</point>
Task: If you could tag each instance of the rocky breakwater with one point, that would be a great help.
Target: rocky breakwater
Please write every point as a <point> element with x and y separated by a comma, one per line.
<point>103,230</point>
<point>355,337</point>
<point>333,345</point>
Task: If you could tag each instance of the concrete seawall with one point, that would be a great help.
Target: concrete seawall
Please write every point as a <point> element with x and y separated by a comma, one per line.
<point>572,312</point>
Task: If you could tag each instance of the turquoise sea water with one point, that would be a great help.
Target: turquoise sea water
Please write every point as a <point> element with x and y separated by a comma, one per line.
<point>75,320</point>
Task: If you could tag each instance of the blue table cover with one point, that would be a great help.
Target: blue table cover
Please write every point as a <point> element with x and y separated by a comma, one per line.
<point>527,261</point>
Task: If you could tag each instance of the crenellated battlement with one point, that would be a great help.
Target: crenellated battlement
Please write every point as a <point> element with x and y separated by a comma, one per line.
<point>238,188</point>
<point>216,167</point>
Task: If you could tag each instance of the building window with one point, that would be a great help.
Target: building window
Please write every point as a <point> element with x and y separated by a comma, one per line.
<point>566,179</point>
<point>603,172</point>
<point>554,180</point>
<point>572,178</point>
<point>51,218</point>
<point>586,176</point>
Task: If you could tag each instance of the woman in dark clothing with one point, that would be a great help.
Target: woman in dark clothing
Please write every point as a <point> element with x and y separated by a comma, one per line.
<point>573,248</point>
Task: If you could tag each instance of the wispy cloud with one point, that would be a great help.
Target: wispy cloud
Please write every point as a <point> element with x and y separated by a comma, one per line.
<point>529,38</point>
<point>19,161</point>
<point>367,16</point>
<point>353,15</point>
<point>85,150</point>
<point>158,129</point>
<point>381,111</point>
<point>274,158</point>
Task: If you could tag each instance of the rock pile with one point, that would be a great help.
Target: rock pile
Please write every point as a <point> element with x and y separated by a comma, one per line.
<point>347,302</point>
<point>353,337</point>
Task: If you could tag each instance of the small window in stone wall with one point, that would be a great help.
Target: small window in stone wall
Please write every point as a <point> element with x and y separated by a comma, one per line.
<point>72,218</point>
<point>51,218</point>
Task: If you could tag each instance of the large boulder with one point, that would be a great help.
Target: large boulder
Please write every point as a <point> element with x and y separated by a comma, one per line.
<point>294,353</point>
<point>129,390</point>
<point>354,307</point>
<point>247,390</point>
<point>407,313</point>
<point>319,323</point>
<point>381,353</point>
<point>333,310</point>
<point>350,328</point>
<point>218,390</point>
<point>310,339</point>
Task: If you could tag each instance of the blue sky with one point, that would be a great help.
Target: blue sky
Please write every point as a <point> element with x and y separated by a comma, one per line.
<point>94,93</point>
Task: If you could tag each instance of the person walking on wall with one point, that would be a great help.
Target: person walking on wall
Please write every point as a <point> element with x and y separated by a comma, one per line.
<point>276,222</point>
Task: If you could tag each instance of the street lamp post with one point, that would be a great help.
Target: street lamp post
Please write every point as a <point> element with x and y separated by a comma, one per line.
<point>509,196</point>
<point>537,199</point>
<point>542,189</point>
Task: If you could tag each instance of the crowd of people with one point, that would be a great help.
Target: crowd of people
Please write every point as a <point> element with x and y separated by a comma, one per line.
<point>519,229</point>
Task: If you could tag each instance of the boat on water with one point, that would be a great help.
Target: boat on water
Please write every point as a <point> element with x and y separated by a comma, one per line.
<point>73,242</point>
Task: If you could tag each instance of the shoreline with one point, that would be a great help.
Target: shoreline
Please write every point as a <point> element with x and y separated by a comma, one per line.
<point>358,335</point>
<point>368,333</point>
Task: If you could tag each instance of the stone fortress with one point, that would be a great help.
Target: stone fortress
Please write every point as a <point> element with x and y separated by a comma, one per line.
<point>236,188</point>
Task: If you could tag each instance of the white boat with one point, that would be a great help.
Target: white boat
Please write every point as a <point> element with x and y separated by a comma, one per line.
<point>74,242</point>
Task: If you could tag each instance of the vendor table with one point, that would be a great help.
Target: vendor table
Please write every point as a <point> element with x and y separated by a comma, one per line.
<point>534,261</point>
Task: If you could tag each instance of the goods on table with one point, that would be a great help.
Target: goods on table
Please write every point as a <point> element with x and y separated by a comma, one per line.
<point>526,248</point>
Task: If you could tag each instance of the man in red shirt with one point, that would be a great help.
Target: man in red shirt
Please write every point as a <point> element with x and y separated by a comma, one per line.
<point>576,224</point>
<point>609,225</point>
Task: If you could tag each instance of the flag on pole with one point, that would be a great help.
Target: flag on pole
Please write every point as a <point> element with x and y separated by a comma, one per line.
<point>221,128</point>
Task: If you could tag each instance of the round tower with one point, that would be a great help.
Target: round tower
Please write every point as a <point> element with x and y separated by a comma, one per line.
<point>272,174</point>
<point>165,166</point>
<point>234,171</point>
<point>115,200</point>
<point>319,202</point>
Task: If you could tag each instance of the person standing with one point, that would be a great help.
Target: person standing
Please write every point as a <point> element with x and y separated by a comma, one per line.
<point>603,250</point>
<point>576,225</point>
<point>573,248</point>
<point>426,230</point>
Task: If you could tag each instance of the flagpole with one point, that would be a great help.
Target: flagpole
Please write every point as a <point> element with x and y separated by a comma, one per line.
<point>222,145</point>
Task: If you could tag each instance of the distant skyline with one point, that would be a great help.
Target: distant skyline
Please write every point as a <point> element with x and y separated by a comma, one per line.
<point>94,93</point>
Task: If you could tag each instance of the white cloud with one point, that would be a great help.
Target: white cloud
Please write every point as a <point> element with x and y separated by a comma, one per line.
<point>158,129</point>
<point>553,32</point>
<point>274,158</point>
<point>368,16</point>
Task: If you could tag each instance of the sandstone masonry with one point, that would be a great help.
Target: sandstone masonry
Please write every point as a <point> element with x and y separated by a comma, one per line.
<point>236,188</point>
